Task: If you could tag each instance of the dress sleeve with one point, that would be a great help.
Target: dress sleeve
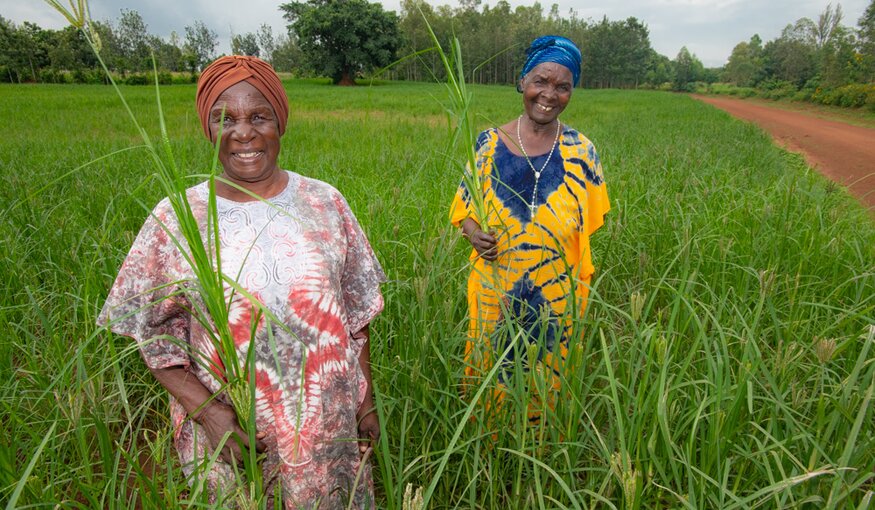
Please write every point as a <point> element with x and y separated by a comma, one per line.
<point>593,208</point>
<point>362,273</point>
<point>145,303</point>
<point>597,202</point>
<point>461,207</point>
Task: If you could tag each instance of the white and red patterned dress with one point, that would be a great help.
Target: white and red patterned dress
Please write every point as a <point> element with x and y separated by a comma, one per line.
<point>303,255</point>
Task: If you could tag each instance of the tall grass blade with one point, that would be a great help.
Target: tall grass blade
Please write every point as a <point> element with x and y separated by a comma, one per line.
<point>25,476</point>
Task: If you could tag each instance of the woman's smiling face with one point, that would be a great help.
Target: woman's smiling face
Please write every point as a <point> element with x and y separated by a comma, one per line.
<point>250,134</point>
<point>546,91</point>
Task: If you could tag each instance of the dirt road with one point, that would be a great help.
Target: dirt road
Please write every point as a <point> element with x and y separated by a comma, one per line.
<point>840,151</point>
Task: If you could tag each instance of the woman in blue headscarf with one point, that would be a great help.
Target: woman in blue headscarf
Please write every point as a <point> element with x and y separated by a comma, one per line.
<point>543,186</point>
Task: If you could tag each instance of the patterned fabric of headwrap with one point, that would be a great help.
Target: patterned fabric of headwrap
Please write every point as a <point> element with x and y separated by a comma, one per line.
<point>553,48</point>
<point>231,70</point>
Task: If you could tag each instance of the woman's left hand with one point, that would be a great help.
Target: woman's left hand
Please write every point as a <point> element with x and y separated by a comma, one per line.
<point>369,428</point>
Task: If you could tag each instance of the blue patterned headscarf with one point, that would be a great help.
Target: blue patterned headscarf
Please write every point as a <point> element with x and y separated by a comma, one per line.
<point>553,48</point>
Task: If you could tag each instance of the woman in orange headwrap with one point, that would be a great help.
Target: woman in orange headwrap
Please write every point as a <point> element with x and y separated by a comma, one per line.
<point>298,250</point>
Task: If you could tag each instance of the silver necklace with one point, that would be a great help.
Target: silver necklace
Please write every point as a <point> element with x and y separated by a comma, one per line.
<point>519,139</point>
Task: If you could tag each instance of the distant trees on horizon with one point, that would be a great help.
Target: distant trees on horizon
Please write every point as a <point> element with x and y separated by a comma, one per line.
<point>493,38</point>
<point>808,53</point>
<point>616,54</point>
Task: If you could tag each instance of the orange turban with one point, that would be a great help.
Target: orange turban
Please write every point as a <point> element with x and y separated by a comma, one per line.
<point>227,71</point>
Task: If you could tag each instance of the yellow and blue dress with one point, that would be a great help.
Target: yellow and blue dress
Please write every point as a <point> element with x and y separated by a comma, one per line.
<point>542,275</point>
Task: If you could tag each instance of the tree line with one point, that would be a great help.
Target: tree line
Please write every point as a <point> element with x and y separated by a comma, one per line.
<point>808,54</point>
<point>30,53</point>
<point>345,39</point>
<point>494,38</point>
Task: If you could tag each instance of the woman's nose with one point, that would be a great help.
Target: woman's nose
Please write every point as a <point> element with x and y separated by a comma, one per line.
<point>243,131</point>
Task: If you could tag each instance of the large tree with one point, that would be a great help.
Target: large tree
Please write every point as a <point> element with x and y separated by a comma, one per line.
<point>286,55</point>
<point>660,69</point>
<point>616,54</point>
<point>341,38</point>
<point>789,60</point>
<point>745,65</point>
<point>267,43</point>
<point>688,69</point>
<point>828,25</point>
<point>866,40</point>
<point>245,44</point>
<point>71,51</point>
<point>168,55</point>
<point>200,45</point>
<point>133,42</point>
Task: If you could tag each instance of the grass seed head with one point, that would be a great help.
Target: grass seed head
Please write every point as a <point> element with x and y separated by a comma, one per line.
<point>412,499</point>
<point>661,348</point>
<point>636,301</point>
<point>628,477</point>
<point>824,348</point>
<point>767,281</point>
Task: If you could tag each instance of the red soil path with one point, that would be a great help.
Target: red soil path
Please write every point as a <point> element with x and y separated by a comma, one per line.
<point>840,151</point>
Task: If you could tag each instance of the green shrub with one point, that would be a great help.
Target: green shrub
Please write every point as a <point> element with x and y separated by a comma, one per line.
<point>165,78</point>
<point>90,76</point>
<point>803,95</point>
<point>79,76</point>
<point>179,79</point>
<point>724,88</point>
<point>137,79</point>
<point>855,95</point>
<point>781,93</point>
<point>777,89</point>
<point>48,75</point>
<point>833,97</point>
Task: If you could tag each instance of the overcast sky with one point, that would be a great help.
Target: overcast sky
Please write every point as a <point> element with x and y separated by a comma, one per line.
<point>708,28</point>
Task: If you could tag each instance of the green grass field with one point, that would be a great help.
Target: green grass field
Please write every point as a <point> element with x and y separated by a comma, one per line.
<point>728,359</point>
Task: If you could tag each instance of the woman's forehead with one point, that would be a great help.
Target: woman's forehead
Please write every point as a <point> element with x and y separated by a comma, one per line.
<point>241,94</point>
<point>551,69</point>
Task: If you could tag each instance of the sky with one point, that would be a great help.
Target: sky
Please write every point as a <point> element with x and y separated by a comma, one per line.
<point>708,28</point>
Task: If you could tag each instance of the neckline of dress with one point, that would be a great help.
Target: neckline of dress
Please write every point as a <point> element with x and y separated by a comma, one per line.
<point>512,153</point>
<point>249,203</point>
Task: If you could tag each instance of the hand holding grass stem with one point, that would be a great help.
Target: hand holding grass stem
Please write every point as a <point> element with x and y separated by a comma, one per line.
<point>216,417</point>
<point>485,243</point>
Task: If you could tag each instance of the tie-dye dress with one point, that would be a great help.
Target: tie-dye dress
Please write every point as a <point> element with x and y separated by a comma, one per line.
<point>303,256</point>
<point>542,275</point>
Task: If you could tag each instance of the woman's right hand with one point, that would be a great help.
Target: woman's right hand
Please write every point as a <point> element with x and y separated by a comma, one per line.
<point>485,243</point>
<point>218,419</point>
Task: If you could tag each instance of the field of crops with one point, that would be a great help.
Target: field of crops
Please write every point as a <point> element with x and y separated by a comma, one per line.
<point>728,359</point>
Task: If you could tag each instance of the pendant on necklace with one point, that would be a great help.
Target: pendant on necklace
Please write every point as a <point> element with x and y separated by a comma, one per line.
<point>537,172</point>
